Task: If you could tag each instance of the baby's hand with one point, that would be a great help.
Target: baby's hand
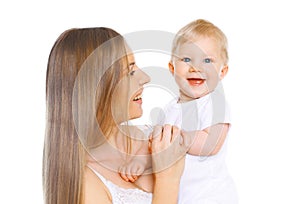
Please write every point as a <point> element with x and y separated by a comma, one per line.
<point>131,171</point>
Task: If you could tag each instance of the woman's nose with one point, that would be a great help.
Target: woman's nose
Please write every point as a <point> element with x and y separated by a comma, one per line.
<point>145,78</point>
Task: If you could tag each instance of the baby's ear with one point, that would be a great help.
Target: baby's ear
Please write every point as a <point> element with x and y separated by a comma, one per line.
<point>171,68</point>
<point>224,71</point>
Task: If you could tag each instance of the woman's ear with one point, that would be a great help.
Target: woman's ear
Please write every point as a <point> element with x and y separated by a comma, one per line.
<point>171,68</point>
<point>223,71</point>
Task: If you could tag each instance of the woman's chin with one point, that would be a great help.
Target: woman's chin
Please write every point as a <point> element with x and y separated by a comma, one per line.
<point>136,115</point>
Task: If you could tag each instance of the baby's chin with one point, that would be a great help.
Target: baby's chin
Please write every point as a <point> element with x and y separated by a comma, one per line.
<point>192,96</point>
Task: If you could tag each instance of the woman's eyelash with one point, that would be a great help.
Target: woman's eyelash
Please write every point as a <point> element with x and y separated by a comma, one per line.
<point>131,67</point>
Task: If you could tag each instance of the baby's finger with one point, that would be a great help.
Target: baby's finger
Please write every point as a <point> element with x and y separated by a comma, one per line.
<point>129,175</point>
<point>122,174</point>
<point>139,171</point>
<point>134,175</point>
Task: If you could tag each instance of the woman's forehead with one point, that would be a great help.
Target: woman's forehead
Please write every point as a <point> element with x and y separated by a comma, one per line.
<point>130,57</point>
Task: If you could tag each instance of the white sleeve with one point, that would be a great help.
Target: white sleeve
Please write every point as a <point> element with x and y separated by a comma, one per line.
<point>215,111</point>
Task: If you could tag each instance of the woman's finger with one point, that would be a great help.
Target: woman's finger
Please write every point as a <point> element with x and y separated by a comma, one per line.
<point>174,133</point>
<point>150,144</point>
<point>169,150</point>
<point>156,134</point>
<point>167,133</point>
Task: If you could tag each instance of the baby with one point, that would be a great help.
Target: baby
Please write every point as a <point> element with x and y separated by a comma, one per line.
<point>199,62</point>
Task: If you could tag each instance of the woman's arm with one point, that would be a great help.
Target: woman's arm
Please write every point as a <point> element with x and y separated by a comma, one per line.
<point>166,184</point>
<point>168,157</point>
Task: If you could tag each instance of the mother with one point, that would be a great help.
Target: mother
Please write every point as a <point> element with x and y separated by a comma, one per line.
<point>93,86</point>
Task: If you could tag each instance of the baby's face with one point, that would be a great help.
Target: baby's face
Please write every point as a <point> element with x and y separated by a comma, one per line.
<point>198,68</point>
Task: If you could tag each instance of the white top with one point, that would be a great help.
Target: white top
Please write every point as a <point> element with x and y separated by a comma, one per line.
<point>205,178</point>
<point>121,195</point>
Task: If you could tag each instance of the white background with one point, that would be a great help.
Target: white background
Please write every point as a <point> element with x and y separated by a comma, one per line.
<point>261,85</point>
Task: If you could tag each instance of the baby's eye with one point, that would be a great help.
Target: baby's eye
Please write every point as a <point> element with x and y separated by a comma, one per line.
<point>207,60</point>
<point>186,59</point>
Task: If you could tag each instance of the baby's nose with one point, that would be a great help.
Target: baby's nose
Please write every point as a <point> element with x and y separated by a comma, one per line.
<point>196,69</point>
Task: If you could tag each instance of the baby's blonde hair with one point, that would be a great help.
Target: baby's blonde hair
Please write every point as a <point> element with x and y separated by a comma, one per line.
<point>199,28</point>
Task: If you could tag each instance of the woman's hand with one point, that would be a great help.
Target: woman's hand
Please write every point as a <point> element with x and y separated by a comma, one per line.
<point>168,157</point>
<point>168,151</point>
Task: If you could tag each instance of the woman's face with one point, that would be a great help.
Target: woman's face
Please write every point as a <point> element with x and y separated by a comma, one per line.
<point>130,88</point>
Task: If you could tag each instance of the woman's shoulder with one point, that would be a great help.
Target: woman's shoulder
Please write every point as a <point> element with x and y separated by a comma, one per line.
<point>95,190</point>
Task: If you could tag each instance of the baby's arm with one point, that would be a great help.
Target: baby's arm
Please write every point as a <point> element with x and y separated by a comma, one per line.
<point>139,161</point>
<point>209,141</point>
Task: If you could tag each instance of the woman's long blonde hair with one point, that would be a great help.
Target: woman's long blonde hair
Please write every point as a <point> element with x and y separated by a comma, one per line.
<point>64,151</point>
